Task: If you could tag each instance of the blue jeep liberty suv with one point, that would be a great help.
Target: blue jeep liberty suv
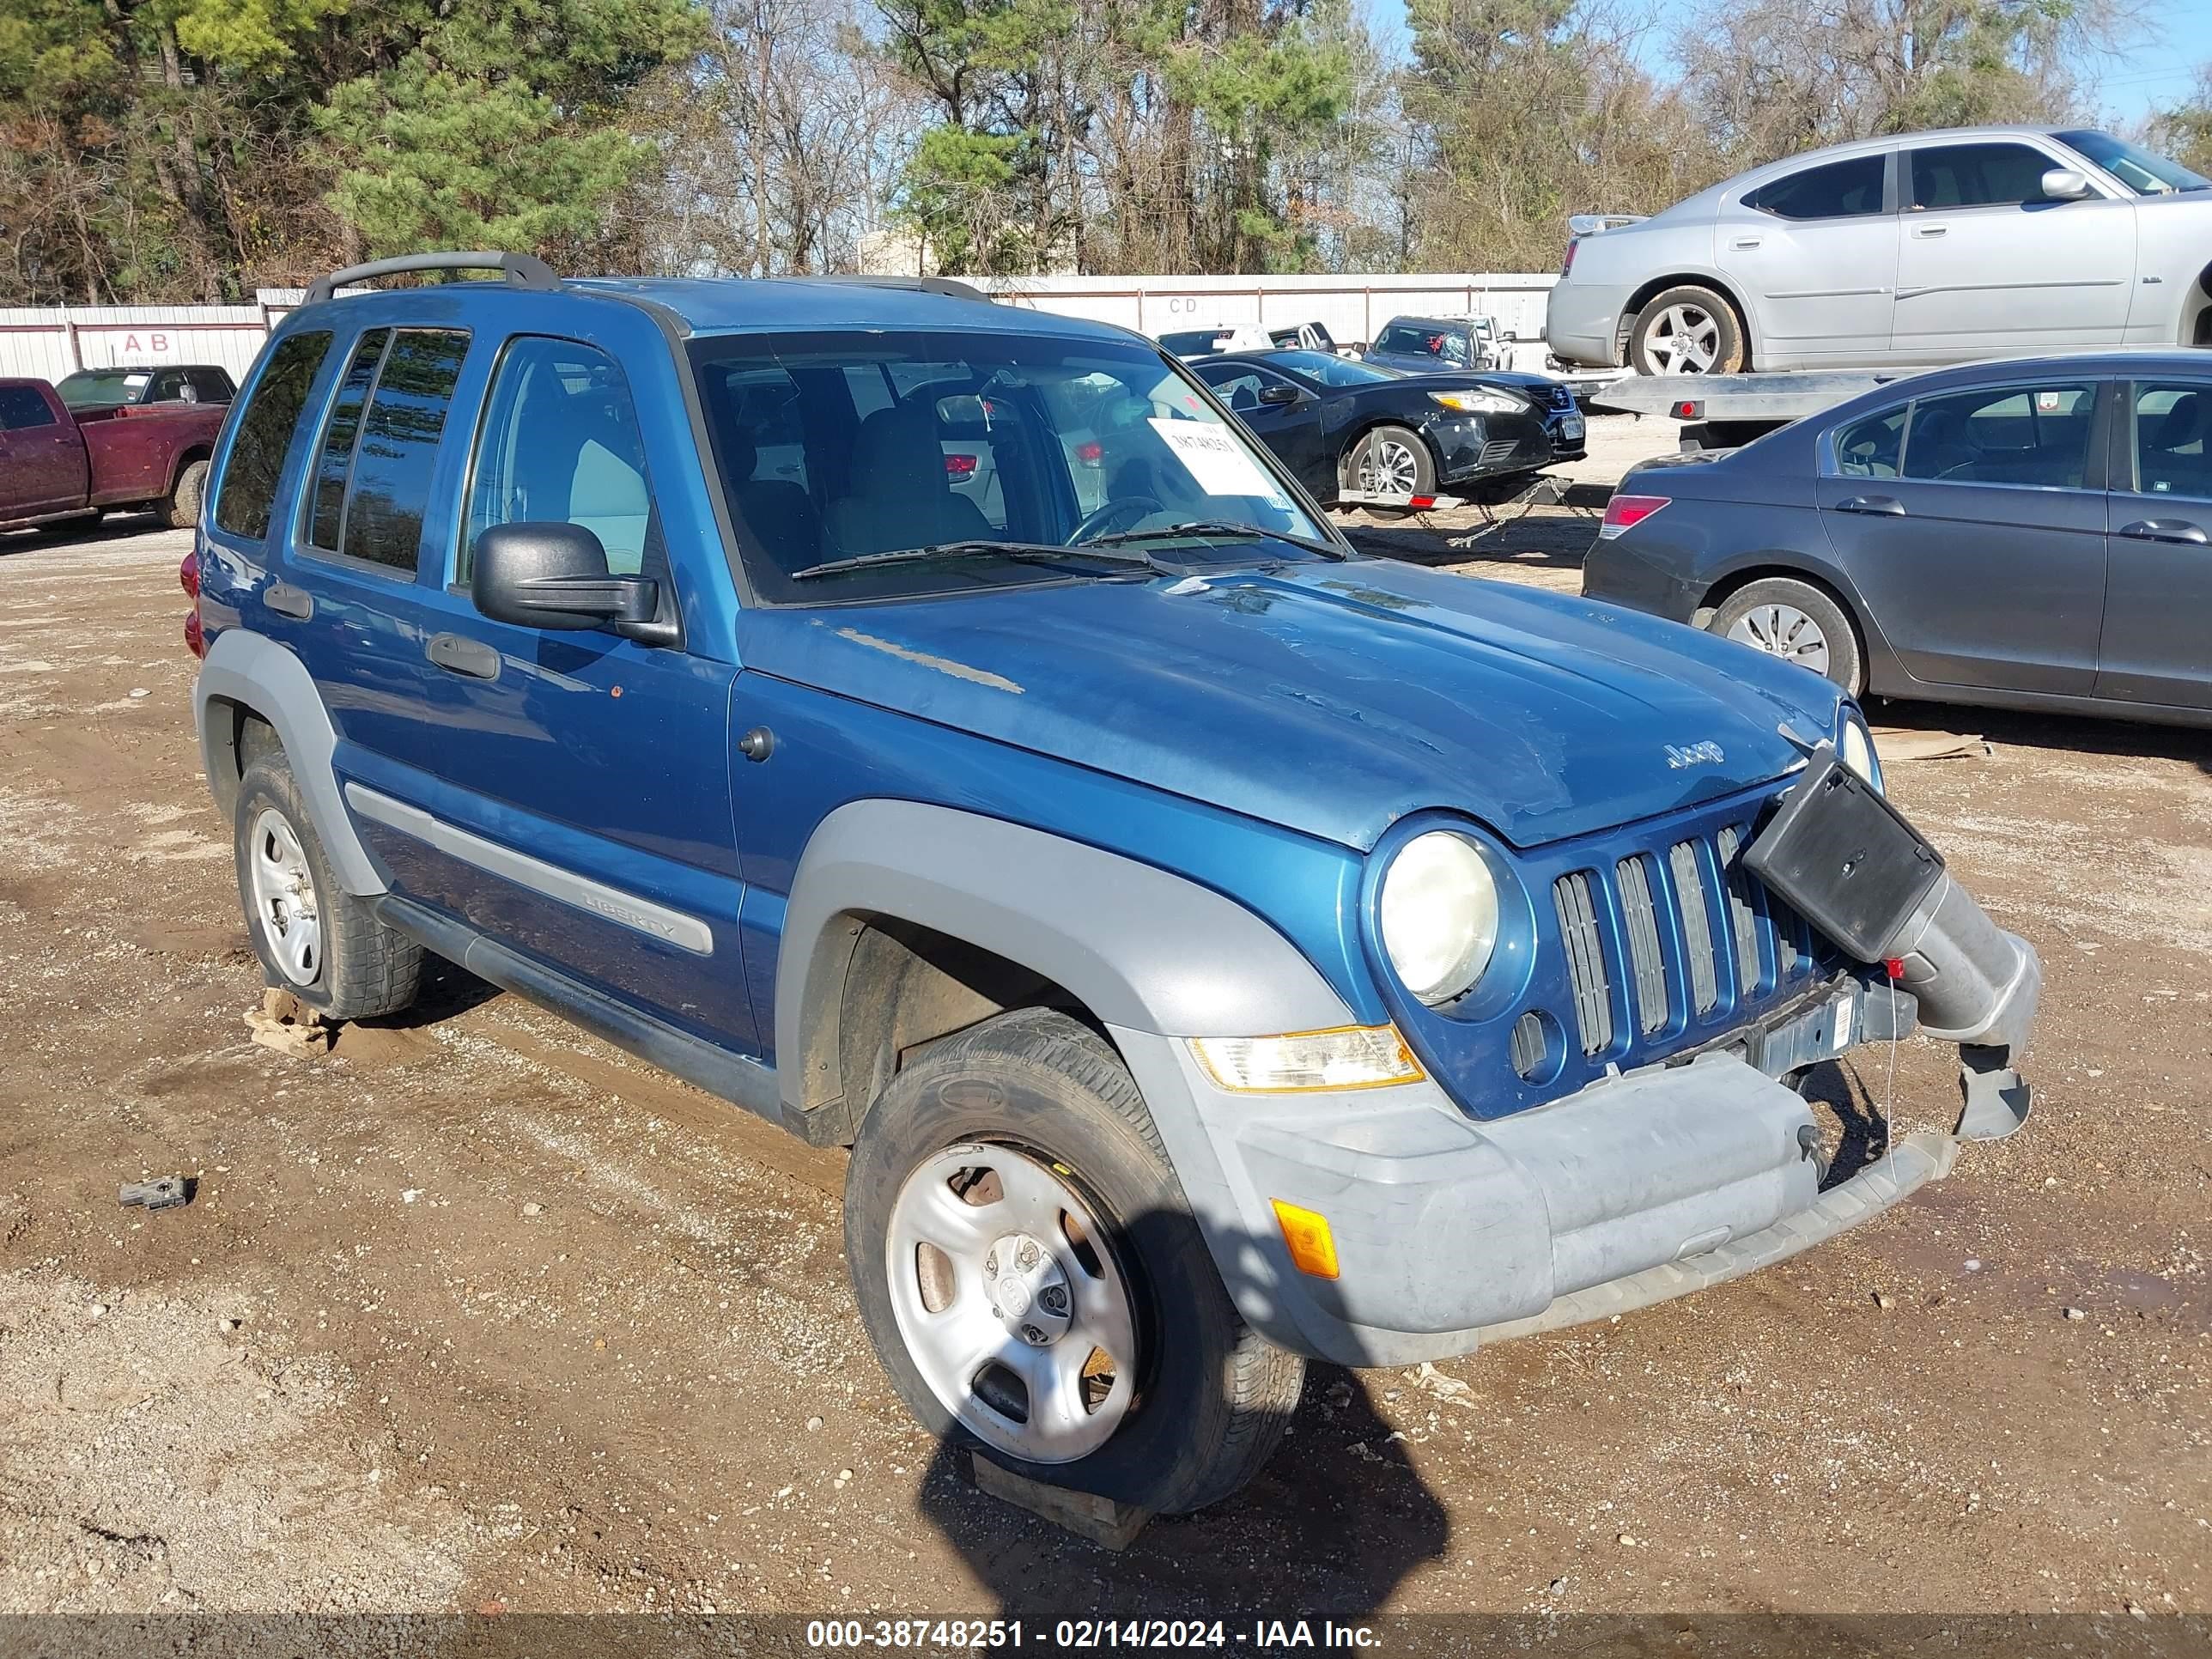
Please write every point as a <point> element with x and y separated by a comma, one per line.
<point>938,727</point>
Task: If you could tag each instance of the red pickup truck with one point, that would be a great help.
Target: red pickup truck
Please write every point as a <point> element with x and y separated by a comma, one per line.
<point>58,465</point>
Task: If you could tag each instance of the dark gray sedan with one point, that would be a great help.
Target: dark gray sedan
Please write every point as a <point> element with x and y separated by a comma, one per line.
<point>2026,534</point>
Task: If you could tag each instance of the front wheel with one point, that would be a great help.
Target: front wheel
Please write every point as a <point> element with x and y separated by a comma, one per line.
<point>1686,329</point>
<point>1797,622</point>
<point>1391,460</point>
<point>1033,1282</point>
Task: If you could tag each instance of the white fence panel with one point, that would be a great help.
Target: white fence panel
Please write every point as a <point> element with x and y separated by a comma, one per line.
<point>50,342</point>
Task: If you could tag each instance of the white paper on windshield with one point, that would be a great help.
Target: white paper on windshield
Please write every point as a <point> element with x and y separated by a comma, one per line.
<point>1216,461</point>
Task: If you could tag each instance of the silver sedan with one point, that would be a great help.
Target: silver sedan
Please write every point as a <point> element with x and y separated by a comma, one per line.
<point>1929,248</point>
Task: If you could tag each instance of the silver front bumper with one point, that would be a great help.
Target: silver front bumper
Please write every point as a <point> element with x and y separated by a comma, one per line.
<point>1451,1232</point>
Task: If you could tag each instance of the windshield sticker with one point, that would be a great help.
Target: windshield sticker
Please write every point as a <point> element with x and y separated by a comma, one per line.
<point>1216,461</point>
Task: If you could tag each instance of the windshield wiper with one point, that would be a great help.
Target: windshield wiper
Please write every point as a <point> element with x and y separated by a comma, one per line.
<point>1215,527</point>
<point>1030,552</point>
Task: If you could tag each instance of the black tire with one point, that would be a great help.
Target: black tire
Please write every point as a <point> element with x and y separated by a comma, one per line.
<point>1656,324</point>
<point>362,968</point>
<point>1846,654</point>
<point>1211,1398</point>
<point>1371,447</point>
<point>180,510</point>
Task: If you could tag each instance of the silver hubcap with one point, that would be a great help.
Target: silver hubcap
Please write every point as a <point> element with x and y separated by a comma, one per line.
<point>1685,340</point>
<point>1388,468</point>
<point>1010,1304</point>
<point>284,897</point>
<point>1784,630</point>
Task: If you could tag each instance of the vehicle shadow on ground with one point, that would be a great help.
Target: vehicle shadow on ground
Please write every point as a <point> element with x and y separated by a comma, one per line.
<point>1340,1511</point>
<point>1502,537</point>
<point>2084,735</point>
<point>447,991</point>
<point>46,536</point>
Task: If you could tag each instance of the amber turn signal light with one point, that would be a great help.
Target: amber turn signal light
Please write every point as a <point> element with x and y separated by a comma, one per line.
<point>1312,1246</point>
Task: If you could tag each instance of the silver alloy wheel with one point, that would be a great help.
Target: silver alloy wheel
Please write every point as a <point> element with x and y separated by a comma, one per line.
<point>1388,467</point>
<point>1685,340</point>
<point>1010,1302</point>
<point>284,897</point>
<point>1784,631</point>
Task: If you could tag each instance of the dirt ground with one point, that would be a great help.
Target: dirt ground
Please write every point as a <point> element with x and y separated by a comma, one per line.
<point>478,1313</point>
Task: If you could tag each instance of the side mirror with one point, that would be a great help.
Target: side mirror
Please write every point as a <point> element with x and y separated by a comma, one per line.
<point>188,394</point>
<point>2064,185</point>
<point>554,575</point>
<point>1276,396</point>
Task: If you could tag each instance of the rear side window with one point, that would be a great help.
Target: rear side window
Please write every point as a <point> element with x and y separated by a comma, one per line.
<point>1841,190</point>
<point>212,384</point>
<point>264,434</point>
<point>399,446</point>
<point>21,407</point>
<point>169,386</point>
<point>380,445</point>
<point>1977,175</point>
<point>561,445</point>
<point>2034,435</point>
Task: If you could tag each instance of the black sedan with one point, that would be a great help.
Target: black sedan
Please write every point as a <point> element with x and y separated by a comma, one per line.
<point>2024,534</point>
<point>1351,428</point>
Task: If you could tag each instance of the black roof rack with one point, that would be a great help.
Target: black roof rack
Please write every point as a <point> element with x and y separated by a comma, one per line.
<point>521,270</point>
<point>951,288</point>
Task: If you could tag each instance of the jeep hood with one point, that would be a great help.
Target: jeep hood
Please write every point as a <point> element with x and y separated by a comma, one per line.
<point>1329,698</point>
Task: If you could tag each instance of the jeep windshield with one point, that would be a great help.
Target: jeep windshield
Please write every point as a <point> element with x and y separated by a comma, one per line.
<point>888,465</point>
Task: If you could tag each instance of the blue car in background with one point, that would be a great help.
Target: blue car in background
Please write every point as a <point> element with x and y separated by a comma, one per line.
<point>1218,948</point>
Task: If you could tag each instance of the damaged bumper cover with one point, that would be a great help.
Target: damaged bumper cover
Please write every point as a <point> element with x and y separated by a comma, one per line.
<point>1452,1232</point>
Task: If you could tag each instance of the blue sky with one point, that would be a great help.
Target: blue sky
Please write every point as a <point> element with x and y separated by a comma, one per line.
<point>2160,69</point>
<point>2157,68</point>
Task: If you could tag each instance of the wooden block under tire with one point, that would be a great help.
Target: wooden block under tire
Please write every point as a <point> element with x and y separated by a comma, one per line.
<point>1103,1521</point>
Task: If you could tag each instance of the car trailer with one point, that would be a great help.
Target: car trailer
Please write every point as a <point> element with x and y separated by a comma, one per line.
<point>1727,411</point>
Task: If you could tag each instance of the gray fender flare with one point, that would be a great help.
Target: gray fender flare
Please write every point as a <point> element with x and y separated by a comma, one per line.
<point>1144,949</point>
<point>252,671</point>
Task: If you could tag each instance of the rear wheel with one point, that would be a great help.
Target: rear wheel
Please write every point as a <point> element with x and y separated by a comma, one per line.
<point>180,510</point>
<point>1033,1282</point>
<point>314,938</point>
<point>1686,329</point>
<point>1797,622</point>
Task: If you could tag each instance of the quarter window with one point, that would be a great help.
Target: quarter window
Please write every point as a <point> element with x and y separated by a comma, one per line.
<point>1869,448</point>
<point>1841,190</point>
<point>2034,435</point>
<point>264,434</point>
<point>335,462</point>
<point>561,445</point>
<point>2173,433</point>
<point>1977,175</point>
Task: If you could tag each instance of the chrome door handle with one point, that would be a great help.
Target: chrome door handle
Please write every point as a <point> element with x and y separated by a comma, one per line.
<point>2165,530</point>
<point>287,600</point>
<point>1888,506</point>
<point>459,656</point>
<point>1929,232</point>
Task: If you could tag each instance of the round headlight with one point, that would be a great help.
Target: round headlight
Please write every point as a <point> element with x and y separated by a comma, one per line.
<point>1439,915</point>
<point>1857,751</point>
